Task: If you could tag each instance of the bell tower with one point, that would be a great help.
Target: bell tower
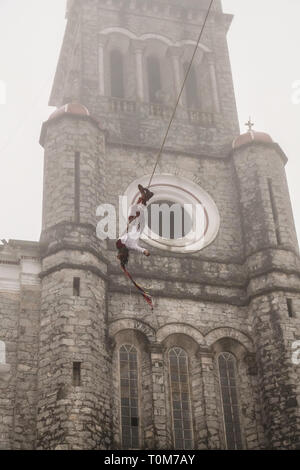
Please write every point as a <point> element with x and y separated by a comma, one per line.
<point>211,368</point>
<point>126,61</point>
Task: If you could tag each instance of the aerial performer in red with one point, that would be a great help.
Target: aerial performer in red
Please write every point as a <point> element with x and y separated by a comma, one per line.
<point>130,240</point>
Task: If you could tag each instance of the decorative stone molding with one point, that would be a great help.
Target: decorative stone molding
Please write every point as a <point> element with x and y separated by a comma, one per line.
<point>151,36</point>
<point>200,206</point>
<point>179,328</point>
<point>226,332</point>
<point>22,272</point>
<point>131,324</point>
<point>193,12</point>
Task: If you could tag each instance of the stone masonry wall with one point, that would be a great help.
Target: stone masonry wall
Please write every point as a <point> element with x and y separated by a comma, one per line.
<point>186,323</point>
<point>73,330</point>
<point>19,324</point>
<point>9,313</point>
<point>274,334</point>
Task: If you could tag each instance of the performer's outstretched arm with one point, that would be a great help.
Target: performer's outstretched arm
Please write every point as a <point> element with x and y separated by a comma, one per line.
<point>132,244</point>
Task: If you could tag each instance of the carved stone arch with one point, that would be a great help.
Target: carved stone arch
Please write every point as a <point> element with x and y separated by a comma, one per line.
<point>157,37</point>
<point>132,324</point>
<point>224,333</point>
<point>147,36</point>
<point>187,42</point>
<point>180,328</point>
<point>125,32</point>
<point>143,37</point>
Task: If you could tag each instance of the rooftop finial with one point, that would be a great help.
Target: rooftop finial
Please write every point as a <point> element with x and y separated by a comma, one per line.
<point>249,124</point>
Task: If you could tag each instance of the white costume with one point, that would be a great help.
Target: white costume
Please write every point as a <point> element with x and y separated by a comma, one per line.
<point>135,228</point>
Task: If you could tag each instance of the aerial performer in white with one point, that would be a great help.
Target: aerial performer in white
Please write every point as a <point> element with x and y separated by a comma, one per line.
<point>130,240</point>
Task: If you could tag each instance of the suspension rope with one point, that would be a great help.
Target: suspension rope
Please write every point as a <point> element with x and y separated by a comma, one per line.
<point>181,91</point>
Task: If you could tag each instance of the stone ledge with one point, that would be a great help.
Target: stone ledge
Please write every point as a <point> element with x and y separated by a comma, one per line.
<point>75,117</point>
<point>219,299</point>
<point>272,145</point>
<point>239,301</point>
<point>230,284</point>
<point>81,267</point>
<point>189,15</point>
<point>73,247</point>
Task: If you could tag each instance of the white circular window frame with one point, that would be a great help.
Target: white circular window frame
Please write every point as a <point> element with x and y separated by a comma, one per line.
<point>177,189</point>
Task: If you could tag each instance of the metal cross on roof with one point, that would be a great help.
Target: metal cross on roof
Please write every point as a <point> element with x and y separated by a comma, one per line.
<point>249,124</point>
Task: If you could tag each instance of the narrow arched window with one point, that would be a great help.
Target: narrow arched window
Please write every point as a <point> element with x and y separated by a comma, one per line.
<point>2,353</point>
<point>192,94</point>
<point>117,74</point>
<point>231,415</point>
<point>154,79</point>
<point>129,396</point>
<point>180,399</point>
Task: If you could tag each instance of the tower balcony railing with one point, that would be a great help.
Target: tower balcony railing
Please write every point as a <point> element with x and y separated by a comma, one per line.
<point>118,105</point>
<point>157,110</point>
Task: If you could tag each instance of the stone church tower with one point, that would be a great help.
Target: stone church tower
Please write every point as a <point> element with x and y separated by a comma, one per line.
<point>84,363</point>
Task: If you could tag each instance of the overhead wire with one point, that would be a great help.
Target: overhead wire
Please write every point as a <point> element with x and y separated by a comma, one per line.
<point>181,91</point>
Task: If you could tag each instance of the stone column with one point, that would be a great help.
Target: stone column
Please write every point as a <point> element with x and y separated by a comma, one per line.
<point>159,397</point>
<point>175,54</point>
<point>214,85</point>
<point>209,425</point>
<point>73,380</point>
<point>101,49</point>
<point>138,49</point>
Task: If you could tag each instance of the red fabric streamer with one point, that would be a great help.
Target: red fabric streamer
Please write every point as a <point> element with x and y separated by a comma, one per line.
<point>146,296</point>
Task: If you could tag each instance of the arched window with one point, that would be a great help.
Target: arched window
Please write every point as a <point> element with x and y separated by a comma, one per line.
<point>2,353</point>
<point>192,95</point>
<point>228,385</point>
<point>180,399</point>
<point>117,74</point>
<point>129,396</point>
<point>154,79</point>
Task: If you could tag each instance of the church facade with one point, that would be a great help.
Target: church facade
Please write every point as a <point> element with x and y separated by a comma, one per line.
<point>84,362</point>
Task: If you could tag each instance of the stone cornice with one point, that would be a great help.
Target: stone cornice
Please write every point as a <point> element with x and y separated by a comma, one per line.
<point>23,272</point>
<point>80,267</point>
<point>230,284</point>
<point>191,13</point>
<point>224,155</point>
<point>75,117</point>
<point>203,297</point>
<point>73,247</point>
<point>211,298</point>
<point>273,145</point>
